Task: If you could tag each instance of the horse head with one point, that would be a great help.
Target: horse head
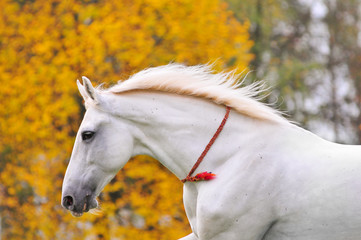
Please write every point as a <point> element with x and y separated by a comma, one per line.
<point>102,146</point>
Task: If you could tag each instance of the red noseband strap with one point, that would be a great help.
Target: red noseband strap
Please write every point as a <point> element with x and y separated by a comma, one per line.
<point>205,176</point>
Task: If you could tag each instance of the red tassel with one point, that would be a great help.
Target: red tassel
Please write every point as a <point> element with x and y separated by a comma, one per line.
<point>204,176</point>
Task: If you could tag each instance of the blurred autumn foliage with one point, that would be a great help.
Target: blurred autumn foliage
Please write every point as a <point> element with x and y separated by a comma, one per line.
<point>45,45</point>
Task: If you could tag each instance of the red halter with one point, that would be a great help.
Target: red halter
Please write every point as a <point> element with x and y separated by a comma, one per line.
<point>205,176</point>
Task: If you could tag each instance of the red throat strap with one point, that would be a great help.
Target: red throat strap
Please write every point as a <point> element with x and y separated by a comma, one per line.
<point>205,176</point>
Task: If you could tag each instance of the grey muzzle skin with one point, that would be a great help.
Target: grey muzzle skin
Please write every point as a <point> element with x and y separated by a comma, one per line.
<point>79,201</point>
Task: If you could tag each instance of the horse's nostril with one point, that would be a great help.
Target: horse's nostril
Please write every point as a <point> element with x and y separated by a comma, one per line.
<point>68,202</point>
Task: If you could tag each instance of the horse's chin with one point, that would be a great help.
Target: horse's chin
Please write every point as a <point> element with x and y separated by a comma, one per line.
<point>76,214</point>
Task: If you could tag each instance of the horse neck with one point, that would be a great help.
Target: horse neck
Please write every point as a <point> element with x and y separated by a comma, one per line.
<point>176,129</point>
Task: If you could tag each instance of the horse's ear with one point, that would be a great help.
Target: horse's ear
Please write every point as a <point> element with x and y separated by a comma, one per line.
<point>82,90</point>
<point>87,90</point>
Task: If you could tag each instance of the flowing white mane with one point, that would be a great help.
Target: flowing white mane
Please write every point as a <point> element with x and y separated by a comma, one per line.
<point>200,81</point>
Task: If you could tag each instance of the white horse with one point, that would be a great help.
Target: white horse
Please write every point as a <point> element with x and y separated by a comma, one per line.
<point>274,180</point>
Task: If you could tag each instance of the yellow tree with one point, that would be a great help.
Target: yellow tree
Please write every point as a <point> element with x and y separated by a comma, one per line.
<point>44,46</point>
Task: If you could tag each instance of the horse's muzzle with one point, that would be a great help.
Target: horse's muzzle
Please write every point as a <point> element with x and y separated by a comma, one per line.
<point>79,204</point>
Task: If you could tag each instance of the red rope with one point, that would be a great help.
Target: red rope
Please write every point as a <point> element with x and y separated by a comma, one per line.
<point>206,175</point>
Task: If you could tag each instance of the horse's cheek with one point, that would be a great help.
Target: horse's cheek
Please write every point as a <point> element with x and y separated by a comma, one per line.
<point>117,155</point>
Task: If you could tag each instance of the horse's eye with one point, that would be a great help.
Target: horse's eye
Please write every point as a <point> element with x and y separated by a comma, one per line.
<point>87,135</point>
